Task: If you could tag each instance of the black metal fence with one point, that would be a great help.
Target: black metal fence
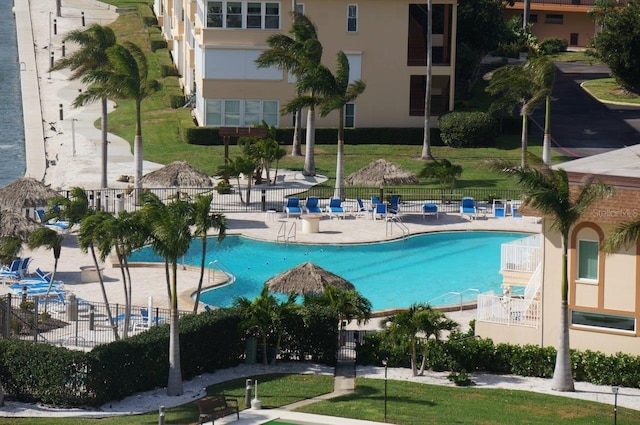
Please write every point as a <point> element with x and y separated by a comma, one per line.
<point>263,198</point>
<point>75,323</point>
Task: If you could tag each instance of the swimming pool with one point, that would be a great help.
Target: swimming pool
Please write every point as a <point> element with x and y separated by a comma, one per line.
<point>390,274</point>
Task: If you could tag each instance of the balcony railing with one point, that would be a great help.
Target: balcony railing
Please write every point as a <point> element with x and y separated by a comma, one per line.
<point>521,255</point>
<point>499,309</point>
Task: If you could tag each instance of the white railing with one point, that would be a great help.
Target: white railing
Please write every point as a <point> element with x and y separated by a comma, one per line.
<point>397,222</point>
<point>493,308</point>
<point>215,269</point>
<point>469,295</point>
<point>285,235</point>
<point>522,255</point>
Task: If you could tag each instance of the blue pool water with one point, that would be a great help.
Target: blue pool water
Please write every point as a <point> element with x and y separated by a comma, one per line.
<point>389,274</point>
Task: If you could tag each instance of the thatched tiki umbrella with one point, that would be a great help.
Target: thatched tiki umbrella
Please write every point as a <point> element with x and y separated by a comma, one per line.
<point>26,192</point>
<point>14,224</point>
<point>381,173</point>
<point>177,174</point>
<point>307,278</point>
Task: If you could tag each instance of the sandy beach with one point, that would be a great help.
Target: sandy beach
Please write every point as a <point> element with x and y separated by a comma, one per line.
<point>63,148</point>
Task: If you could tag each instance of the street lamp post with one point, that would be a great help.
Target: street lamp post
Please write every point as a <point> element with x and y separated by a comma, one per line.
<point>384,362</point>
<point>614,390</point>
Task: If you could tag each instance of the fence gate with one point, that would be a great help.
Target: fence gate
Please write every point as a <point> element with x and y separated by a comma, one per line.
<point>347,342</point>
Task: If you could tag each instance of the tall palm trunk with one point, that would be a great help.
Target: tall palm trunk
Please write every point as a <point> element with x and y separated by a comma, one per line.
<point>426,143</point>
<point>127,294</point>
<point>105,143</point>
<point>137,147</point>
<point>297,125</point>
<point>562,376</point>
<point>339,189</point>
<point>174,384</point>
<point>56,256</point>
<point>203,258</point>
<point>104,293</point>
<point>309,158</point>
<point>546,141</point>
<point>524,139</point>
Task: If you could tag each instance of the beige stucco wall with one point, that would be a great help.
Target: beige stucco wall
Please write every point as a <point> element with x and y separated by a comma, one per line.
<point>573,22</point>
<point>385,102</point>
<point>516,335</point>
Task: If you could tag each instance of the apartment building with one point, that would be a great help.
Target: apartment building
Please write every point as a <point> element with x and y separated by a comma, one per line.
<point>214,44</point>
<point>567,19</point>
<point>604,288</point>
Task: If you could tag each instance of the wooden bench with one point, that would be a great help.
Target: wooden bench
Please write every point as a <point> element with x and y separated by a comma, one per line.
<point>215,407</point>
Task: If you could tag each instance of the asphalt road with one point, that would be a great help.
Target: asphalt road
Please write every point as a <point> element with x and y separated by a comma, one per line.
<point>580,125</point>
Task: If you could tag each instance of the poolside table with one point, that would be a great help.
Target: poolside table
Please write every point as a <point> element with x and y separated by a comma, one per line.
<point>310,223</point>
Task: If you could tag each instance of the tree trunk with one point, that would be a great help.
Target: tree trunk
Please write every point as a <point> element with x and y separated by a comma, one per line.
<point>546,141</point>
<point>104,294</point>
<point>174,384</point>
<point>414,359</point>
<point>524,139</point>
<point>203,258</point>
<point>295,145</point>
<point>309,159</point>
<point>339,189</point>
<point>562,376</point>
<point>137,148</point>
<point>105,144</point>
<point>426,143</point>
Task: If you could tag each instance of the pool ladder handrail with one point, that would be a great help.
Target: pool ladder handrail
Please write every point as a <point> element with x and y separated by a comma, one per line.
<point>459,294</point>
<point>395,220</point>
<point>211,267</point>
<point>285,234</point>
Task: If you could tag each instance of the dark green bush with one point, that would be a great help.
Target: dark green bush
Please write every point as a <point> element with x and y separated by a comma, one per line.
<point>467,129</point>
<point>44,373</point>
<point>146,14</point>
<point>553,45</point>
<point>157,44</point>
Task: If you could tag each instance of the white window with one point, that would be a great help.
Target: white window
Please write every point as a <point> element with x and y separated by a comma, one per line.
<point>242,14</point>
<point>355,66</point>
<point>350,115</point>
<point>300,7</point>
<point>232,64</point>
<point>352,18</point>
<point>588,260</point>
<point>240,112</point>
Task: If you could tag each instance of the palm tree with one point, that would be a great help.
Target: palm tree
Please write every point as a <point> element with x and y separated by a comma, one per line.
<point>417,324</point>
<point>92,56</point>
<point>204,220</point>
<point>300,55</point>
<point>548,191</point>
<point>127,77</point>
<point>170,237</point>
<point>264,316</point>
<point>525,86</point>
<point>426,141</point>
<point>343,93</point>
<point>51,240</point>
<point>348,303</point>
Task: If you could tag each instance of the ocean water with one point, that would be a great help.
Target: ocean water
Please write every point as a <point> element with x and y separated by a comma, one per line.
<point>12,150</point>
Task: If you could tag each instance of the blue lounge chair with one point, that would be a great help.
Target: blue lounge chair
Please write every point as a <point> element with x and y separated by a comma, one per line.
<point>11,272</point>
<point>362,210</point>
<point>292,206</point>
<point>52,223</point>
<point>380,210</point>
<point>59,303</point>
<point>335,207</point>
<point>142,322</point>
<point>394,204</point>
<point>429,209</point>
<point>468,207</point>
<point>311,205</point>
<point>39,277</point>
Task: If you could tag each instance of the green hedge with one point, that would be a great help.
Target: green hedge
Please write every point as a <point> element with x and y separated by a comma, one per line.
<point>146,14</point>
<point>470,354</point>
<point>467,129</point>
<point>208,136</point>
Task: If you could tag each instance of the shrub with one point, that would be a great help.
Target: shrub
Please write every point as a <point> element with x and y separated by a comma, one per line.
<point>467,129</point>
<point>553,45</point>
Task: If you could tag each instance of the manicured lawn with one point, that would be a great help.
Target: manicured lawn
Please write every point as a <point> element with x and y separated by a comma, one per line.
<point>607,89</point>
<point>413,404</point>
<point>407,404</point>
